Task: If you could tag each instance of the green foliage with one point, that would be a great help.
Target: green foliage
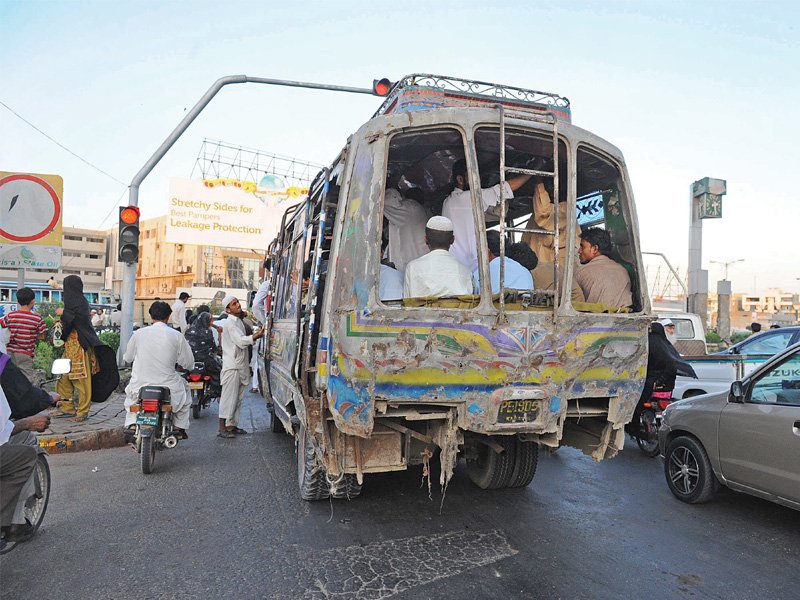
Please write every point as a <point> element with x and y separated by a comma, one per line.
<point>47,310</point>
<point>110,338</point>
<point>738,336</point>
<point>712,337</point>
<point>45,355</point>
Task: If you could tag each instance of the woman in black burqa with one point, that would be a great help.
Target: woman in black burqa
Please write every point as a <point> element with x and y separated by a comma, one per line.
<point>664,363</point>
<point>94,373</point>
<point>204,348</point>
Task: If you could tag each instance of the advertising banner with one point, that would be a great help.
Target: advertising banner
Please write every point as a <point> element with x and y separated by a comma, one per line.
<point>222,212</point>
<point>31,209</point>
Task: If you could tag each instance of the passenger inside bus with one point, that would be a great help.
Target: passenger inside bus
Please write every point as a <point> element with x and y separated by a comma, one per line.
<point>458,208</point>
<point>437,273</point>
<point>406,218</point>
<point>517,277</point>
<point>602,280</point>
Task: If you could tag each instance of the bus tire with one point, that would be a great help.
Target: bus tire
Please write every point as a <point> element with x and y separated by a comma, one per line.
<point>348,488</point>
<point>491,470</point>
<point>310,473</point>
<point>525,463</point>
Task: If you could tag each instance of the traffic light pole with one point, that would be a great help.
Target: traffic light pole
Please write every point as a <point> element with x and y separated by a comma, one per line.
<point>128,295</point>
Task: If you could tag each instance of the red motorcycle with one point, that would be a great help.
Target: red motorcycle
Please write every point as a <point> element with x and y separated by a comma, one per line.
<point>649,421</point>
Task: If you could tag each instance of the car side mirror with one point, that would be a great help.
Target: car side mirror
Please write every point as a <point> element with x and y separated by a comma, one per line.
<point>737,392</point>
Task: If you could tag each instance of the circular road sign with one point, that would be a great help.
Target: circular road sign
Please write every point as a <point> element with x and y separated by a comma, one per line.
<point>29,208</point>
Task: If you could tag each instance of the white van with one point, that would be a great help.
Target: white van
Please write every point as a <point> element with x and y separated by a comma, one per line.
<point>689,331</point>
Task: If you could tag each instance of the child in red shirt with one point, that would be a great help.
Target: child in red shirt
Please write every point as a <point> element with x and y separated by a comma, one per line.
<point>26,328</point>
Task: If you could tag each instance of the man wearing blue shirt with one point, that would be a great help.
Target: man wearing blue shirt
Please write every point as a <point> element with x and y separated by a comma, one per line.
<point>517,277</point>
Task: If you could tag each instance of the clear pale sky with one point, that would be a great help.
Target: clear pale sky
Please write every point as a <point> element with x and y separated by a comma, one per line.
<point>685,89</point>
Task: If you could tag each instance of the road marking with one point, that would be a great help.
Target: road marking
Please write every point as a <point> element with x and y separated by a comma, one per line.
<point>384,569</point>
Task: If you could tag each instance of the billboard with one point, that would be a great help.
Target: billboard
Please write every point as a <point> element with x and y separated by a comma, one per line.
<point>31,209</point>
<point>225,212</point>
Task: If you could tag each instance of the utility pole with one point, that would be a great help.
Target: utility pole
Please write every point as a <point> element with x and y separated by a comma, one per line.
<point>724,300</point>
<point>128,296</point>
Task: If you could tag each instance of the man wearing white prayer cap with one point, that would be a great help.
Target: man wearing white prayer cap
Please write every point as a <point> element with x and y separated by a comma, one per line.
<point>437,273</point>
<point>235,374</point>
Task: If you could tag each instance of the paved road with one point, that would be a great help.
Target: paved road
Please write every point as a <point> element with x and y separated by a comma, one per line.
<point>221,518</point>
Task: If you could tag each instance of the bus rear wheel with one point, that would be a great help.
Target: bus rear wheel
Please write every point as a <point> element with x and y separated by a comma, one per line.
<point>492,470</point>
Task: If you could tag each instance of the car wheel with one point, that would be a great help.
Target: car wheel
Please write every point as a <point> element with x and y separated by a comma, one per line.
<point>688,471</point>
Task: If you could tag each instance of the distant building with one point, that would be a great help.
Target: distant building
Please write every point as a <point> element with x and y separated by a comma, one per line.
<point>84,253</point>
<point>775,307</point>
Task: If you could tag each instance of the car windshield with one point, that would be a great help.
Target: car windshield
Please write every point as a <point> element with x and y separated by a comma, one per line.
<point>768,343</point>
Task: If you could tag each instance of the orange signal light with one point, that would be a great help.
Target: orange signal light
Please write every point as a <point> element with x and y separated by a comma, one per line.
<point>129,214</point>
<point>381,87</point>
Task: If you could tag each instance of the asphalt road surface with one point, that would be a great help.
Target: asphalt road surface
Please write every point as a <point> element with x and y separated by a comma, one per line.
<point>222,518</point>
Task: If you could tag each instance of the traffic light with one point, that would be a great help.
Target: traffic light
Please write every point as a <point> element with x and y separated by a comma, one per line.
<point>128,234</point>
<point>381,87</point>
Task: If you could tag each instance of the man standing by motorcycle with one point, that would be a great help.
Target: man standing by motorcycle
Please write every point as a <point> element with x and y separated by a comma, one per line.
<point>154,351</point>
<point>235,367</point>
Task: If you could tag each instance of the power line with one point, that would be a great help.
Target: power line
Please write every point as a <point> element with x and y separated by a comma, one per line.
<point>59,144</point>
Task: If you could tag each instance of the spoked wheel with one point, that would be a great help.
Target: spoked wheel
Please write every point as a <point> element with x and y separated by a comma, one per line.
<point>36,504</point>
<point>688,471</point>
<point>148,454</point>
<point>310,473</point>
<point>647,439</point>
<point>491,470</point>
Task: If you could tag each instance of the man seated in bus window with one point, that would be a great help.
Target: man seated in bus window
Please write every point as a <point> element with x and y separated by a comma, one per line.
<point>458,208</point>
<point>602,280</point>
<point>407,220</point>
<point>438,273</point>
<point>517,277</point>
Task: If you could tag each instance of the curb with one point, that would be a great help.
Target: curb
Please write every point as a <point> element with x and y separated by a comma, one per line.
<point>79,442</point>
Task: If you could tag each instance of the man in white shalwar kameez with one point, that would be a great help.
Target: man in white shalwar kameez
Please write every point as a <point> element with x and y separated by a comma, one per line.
<point>437,273</point>
<point>407,219</point>
<point>235,374</point>
<point>154,351</point>
<point>458,208</point>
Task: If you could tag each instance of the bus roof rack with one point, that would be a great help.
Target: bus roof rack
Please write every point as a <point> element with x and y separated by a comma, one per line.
<point>421,91</point>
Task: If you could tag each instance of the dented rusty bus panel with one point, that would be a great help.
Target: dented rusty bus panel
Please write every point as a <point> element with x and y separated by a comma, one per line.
<point>547,360</point>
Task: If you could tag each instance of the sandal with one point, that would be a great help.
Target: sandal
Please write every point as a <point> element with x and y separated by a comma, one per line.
<point>79,419</point>
<point>237,430</point>
<point>60,414</point>
<point>226,434</point>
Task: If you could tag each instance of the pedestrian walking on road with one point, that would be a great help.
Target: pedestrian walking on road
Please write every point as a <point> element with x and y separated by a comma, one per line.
<point>179,312</point>
<point>94,373</point>
<point>235,367</point>
<point>25,329</point>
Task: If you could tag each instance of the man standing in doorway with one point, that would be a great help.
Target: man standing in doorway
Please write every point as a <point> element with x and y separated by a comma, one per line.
<point>179,312</point>
<point>235,373</point>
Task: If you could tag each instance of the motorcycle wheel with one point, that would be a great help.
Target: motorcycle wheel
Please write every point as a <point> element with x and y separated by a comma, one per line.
<point>196,399</point>
<point>36,504</point>
<point>148,454</point>
<point>647,439</point>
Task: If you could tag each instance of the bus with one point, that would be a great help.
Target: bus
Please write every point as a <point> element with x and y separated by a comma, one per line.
<point>44,292</point>
<point>369,384</point>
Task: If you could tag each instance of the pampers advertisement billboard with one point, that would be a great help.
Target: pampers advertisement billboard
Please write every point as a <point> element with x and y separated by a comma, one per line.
<point>226,212</point>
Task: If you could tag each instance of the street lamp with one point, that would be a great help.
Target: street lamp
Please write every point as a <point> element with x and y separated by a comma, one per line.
<point>726,264</point>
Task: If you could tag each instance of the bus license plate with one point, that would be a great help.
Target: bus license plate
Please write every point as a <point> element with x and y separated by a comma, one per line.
<point>518,411</point>
<point>145,419</point>
<point>195,385</point>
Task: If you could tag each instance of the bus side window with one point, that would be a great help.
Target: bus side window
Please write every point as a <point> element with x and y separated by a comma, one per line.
<point>601,205</point>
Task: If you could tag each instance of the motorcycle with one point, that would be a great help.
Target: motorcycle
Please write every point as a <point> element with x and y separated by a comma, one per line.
<point>154,424</point>
<point>202,388</point>
<point>649,421</point>
<point>37,489</point>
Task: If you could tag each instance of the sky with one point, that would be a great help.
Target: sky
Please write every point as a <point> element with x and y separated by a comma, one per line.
<point>685,89</point>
